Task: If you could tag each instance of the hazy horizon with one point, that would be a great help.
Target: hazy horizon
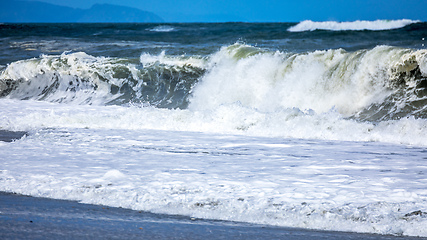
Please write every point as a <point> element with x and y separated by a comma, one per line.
<point>266,11</point>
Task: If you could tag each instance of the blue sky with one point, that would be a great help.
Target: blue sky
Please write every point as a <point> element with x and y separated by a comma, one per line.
<point>269,10</point>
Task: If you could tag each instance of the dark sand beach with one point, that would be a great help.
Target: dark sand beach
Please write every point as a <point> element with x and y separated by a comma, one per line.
<point>24,217</point>
<point>9,136</point>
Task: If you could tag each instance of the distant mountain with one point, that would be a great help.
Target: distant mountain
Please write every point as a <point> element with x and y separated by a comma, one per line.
<point>114,13</point>
<point>31,11</point>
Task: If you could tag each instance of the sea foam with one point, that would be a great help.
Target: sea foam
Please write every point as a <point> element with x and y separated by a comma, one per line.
<point>331,95</point>
<point>328,185</point>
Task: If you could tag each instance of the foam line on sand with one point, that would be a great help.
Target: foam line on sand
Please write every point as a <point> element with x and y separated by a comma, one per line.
<point>24,217</point>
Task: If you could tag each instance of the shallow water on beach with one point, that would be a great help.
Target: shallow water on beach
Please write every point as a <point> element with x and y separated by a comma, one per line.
<point>52,219</point>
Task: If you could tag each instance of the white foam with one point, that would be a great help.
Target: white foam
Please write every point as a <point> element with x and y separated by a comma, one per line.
<point>226,119</point>
<point>377,25</point>
<point>319,81</point>
<point>342,186</point>
<point>134,158</point>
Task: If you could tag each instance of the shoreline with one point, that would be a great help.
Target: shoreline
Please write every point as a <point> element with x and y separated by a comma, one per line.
<point>29,217</point>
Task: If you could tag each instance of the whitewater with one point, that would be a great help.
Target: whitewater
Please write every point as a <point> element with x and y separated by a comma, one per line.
<point>239,127</point>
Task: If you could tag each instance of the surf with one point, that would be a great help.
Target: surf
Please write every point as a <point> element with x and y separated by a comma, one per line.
<point>382,83</point>
<point>349,82</point>
<point>380,93</point>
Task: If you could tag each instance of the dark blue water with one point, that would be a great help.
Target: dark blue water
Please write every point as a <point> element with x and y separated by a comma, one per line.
<point>153,64</point>
<point>20,41</point>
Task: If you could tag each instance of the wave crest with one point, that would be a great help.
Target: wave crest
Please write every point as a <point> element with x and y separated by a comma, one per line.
<point>83,79</point>
<point>353,83</point>
<point>377,25</point>
<point>378,84</point>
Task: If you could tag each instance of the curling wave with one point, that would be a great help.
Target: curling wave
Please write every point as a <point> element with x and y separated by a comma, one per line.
<point>382,83</point>
<point>378,84</point>
<point>83,79</point>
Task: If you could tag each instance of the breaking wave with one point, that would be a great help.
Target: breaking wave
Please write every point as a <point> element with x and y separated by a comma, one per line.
<point>382,83</point>
<point>378,84</point>
<point>83,79</point>
<point>377,25</point>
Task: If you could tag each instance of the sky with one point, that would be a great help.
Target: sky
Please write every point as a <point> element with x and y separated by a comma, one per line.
<point>268,10</point>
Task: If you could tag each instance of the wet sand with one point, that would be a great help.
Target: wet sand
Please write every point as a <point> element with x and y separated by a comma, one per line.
<point>24,217</point>
<point>9,136</point>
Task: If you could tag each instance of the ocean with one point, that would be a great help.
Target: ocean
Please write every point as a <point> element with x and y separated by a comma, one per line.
<point>315,125</point>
